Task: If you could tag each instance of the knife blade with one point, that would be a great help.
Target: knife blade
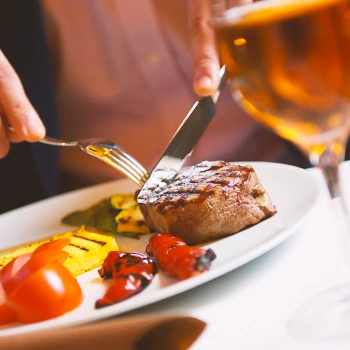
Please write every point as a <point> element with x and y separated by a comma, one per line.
<point>190,130</point>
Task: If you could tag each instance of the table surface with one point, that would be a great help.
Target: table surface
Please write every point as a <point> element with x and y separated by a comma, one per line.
<point>249,307</point>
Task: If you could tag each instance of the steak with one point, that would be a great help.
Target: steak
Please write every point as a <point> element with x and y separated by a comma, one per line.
<point>204,202</point>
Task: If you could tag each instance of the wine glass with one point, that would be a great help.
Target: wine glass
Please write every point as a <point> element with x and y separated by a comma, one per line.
<point>288,66</point>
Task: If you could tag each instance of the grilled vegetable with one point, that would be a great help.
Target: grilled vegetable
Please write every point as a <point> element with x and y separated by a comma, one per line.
<point>176,258</point>
<point>100,216</point>
<point>118,214</point>
<point>131,220</point>
<point>131,273</point>
<point>87,250</point>
<point>36,286</point>
<point>122,201</point>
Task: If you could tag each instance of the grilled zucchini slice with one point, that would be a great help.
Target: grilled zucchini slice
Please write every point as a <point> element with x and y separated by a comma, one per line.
<point>119,214</point>
<point>122,201</point>
<point>131,220</point>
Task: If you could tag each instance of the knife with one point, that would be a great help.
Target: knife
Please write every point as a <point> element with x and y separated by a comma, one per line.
<point>190,130</point>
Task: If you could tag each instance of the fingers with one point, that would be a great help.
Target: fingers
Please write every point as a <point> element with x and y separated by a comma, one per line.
<point>4,142</point>
<point>16,110</point>
<point>206,61</point>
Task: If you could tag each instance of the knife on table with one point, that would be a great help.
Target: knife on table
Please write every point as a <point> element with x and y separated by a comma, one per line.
<point>190,130</point>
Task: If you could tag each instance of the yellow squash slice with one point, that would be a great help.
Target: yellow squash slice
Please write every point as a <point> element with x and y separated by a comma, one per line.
<point>87,250</point>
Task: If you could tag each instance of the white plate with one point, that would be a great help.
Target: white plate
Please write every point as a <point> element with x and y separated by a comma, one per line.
<point>294,191</point>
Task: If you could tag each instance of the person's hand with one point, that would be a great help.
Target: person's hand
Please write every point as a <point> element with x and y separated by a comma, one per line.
<point>206,60</point>
<point>15,110</point>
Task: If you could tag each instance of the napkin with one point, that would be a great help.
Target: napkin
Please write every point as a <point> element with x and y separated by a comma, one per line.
<point>127,333</point>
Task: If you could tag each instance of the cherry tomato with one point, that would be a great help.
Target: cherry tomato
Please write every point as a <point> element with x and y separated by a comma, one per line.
<point>10,270</point>
<point>7,315</point>
<point>56,244</point>
<point>36,286</point>
<point>20,268</point>
<point>49,292</point>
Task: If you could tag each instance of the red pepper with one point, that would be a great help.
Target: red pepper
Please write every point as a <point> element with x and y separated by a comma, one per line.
<point>176,258</point>
<point>131,272</point>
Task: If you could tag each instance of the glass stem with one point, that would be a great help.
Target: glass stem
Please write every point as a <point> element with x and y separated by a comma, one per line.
<point>328,163</point>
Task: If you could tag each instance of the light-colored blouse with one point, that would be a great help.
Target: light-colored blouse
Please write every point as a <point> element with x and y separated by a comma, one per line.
<point>124,72</point>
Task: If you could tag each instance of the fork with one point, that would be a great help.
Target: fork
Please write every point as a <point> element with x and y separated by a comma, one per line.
<point>109,153</point>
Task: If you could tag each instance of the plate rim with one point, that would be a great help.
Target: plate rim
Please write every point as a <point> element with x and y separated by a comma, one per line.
<point>181,286</point>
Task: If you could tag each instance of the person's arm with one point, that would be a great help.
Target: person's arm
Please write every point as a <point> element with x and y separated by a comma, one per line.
<point>16,110</point>
<point>206,61</point>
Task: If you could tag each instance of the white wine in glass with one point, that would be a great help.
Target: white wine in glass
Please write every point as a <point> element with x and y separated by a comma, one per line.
<point>288,63</point>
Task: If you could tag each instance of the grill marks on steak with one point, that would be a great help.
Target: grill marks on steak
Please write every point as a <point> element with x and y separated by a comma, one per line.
<point>204,202</point>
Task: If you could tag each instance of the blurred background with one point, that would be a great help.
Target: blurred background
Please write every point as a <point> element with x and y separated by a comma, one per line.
<point>119,70</point>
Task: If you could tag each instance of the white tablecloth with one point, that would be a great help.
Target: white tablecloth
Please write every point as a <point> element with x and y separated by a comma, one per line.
<point>249,307</point>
